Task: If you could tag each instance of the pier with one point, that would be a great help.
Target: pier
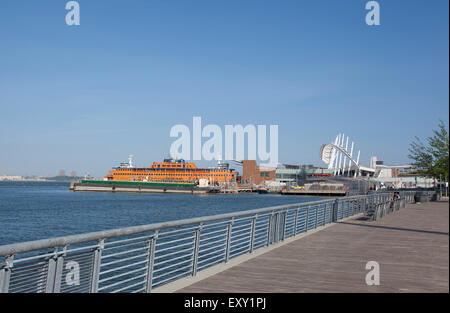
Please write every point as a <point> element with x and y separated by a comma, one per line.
<point>311,246</point>
<point>236,189</point>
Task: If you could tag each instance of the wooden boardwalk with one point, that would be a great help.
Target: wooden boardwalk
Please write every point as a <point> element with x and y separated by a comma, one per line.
<point>410,245</point>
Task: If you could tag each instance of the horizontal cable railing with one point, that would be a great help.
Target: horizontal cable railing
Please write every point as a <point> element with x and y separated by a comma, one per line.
<point>140,258</point>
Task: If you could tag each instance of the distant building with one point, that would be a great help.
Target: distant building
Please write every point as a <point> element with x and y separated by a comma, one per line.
<point>388,171</point>
<point>62,173</point>
<point>73,174</point>
<point>290,173</point>
<point>252,174</point>
<point>294,173</point>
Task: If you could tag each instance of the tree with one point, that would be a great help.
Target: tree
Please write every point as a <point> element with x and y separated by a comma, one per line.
<point>432,160</point>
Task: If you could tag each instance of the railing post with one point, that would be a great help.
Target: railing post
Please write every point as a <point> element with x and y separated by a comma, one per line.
<point>284,219</point>
<point>59,270</point>
<point>324,213</point>
<point>335,210</point>
<point>307,217</point>
<point>316,216</point>
<point>3,280</point>
<point>151,261</point>
<point>196,248</point>
<point>96,266</point>
<point>227,248</point>
<point>5,274</point>
<point>295,222</point>
<point>51,267</point>
<point>276,227</point>
<point>252,234</point>
<point>54,272</point>
<point>269,228</point>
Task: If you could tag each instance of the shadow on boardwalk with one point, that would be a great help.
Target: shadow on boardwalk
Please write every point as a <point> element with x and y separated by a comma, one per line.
<point>397,228</point>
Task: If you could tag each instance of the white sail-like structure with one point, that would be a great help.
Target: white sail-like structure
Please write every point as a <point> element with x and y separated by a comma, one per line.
<point>334,153</point>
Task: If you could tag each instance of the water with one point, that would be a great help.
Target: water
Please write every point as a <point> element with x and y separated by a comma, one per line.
<point>39,210</point>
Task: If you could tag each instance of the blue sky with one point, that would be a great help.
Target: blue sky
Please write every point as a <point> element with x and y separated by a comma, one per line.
<point>83,97</point>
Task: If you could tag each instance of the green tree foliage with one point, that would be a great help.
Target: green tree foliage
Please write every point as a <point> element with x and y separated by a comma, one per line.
<point>432,159</point>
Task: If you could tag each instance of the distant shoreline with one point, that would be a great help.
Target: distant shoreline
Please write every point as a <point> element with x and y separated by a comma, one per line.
<point>39,179</point>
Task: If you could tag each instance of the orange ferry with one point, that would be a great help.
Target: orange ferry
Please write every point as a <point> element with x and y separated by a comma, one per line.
<point>171,170</point>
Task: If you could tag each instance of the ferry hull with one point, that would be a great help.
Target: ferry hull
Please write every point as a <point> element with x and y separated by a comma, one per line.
<point>139,187</point>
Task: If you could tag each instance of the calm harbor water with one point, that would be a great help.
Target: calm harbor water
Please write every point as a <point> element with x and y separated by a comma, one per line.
<point>38,210</point>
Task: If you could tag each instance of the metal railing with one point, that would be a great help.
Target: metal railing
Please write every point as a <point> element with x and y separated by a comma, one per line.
<point>382,209</point>
<point>140,258</point>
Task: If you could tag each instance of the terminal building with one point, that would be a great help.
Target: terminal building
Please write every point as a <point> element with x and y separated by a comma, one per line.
<point>398,176</point>
<point>289,173</point>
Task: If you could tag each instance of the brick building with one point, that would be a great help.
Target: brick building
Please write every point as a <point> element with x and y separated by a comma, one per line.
<point>253,174</point>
